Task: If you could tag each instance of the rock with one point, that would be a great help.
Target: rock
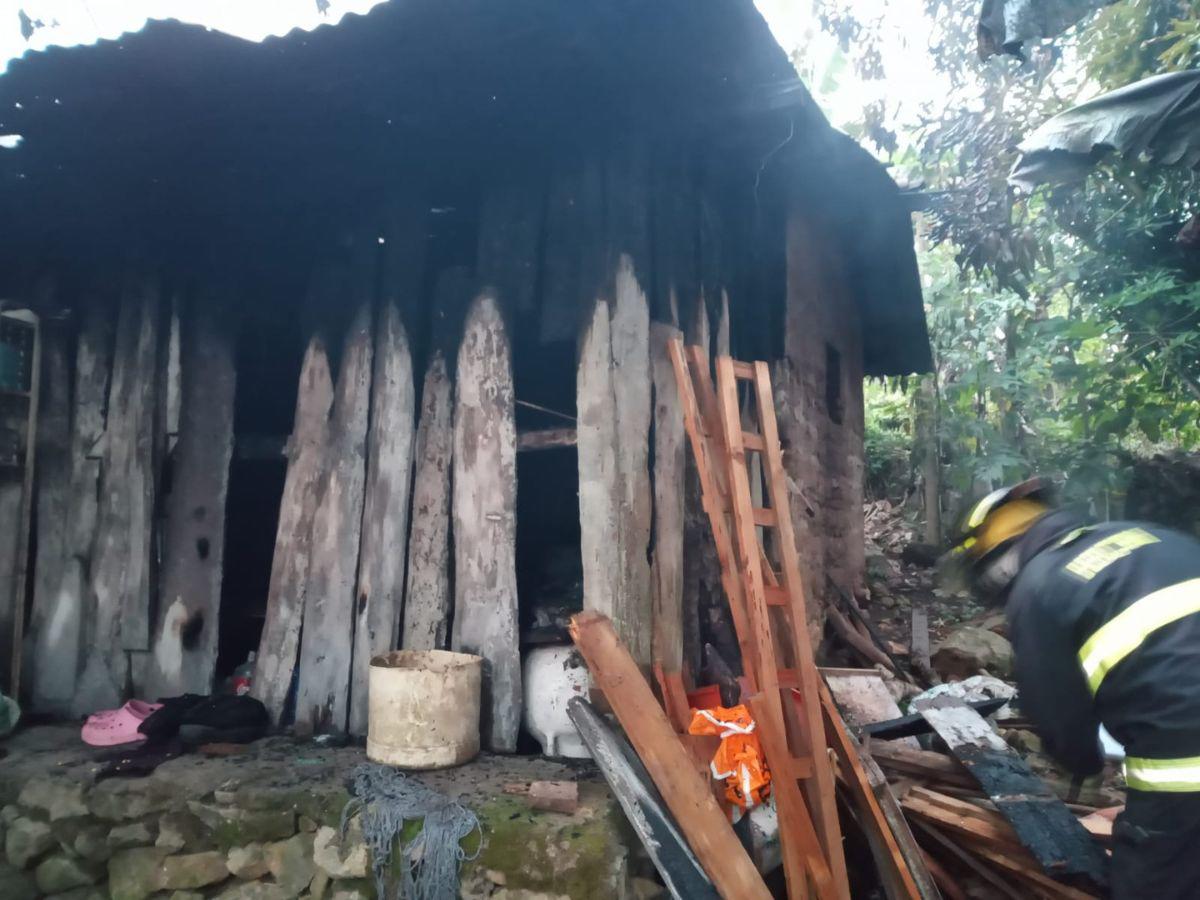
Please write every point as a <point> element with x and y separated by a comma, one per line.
<point>969,651</point>
<point>179,830</point>
<point>136,834</point>
<point>91,892</point>
<point>122,800</point>
<point>89,841</point>
<point>646,889</point>
<point>136,873</point>
<point>26,840</point>
<point>352,893</point>
<point>234,827</point>
<point>306,824</point>
<point>60,872</point>
<point>10,814</point>
<point>318,886</point>
<point>193,870</point>
<point>15,884</point>
<point>342,857</point>
<point>57,797</point>
<point>247,863</point>
<point>185,895</point>
<point>291,862</point>
<point>1022,740</point>
<point>253,890</point>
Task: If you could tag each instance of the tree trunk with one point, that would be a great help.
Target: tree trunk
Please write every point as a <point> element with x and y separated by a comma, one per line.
<point>185,649</point>
<point>668,503</point>
<point>385,515</point>
<point>931,467</point>
<point>485,494</point>
<point>276,660</point>
<point>427,598</point>
<point>322,698</point>
<point>120,576</point>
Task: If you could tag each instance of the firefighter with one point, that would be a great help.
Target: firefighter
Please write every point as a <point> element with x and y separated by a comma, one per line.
<point>1104,621</point>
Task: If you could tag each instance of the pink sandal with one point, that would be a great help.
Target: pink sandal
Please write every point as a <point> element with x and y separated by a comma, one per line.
<point>111,727</point>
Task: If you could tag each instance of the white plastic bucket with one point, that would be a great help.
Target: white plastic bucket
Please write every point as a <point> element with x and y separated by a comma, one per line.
<point>424,708</point>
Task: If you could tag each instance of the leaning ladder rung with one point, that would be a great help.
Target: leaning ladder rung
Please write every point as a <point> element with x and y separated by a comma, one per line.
<point>765,517</point>
<point>744,370</point>
<point>776,596</point>
<point>752,441</point>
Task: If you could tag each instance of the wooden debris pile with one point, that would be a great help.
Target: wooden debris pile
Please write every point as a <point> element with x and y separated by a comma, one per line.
<point>979,811</point>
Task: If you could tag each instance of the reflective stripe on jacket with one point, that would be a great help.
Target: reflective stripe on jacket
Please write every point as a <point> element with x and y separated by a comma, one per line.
<point>1105,625</point>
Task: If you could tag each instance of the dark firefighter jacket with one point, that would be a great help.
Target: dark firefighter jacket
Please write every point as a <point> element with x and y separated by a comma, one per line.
<point>1140,675</point>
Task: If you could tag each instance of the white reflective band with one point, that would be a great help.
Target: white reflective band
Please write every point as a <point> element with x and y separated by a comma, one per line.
<point>984,506</point>
<point>1125,632</point>
<point>1167,775</point>
<point>729,728</point>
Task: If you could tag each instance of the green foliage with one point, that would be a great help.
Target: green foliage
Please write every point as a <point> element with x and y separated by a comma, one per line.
<point>1065,325</point>
<point>888,436</point>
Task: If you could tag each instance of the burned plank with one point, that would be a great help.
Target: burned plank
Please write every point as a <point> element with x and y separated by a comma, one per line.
<point>185,647</point>
<point>280,644</point>
<point>484,510</point>
<point>322,696</point>
<point>1044,825</point>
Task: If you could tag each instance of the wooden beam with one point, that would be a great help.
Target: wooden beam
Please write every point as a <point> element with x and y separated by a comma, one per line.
<point>897,855</point>
<point>687,796</point>
<point>1044,825</point>
<point>121,561</point>
<point>669,455</point>
<point>485,527</point>
<point>546,439</point>
<point>188,628</point>
<point>280,643</point>
<point>323,691</point>
<point>427,597</point>
<point>379,599</point>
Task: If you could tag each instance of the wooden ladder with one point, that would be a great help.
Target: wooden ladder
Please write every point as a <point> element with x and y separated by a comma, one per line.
<point>767,604</point>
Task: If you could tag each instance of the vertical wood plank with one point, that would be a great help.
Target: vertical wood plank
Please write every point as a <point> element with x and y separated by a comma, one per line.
<point>278,650</point>
<point>385,516</point>
<point>669,458</point>
<point>631,380</point>
<point>484,509</point>
<point>59,648</point>
<point>599,484</point>
<point>185,647</point>
<point>322,697</point>
<point>427,601</point>
<point>53,511</point>
<point>120,576</point>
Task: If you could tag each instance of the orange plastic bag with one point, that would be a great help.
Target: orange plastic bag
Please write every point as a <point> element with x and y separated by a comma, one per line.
<point>739,760</point>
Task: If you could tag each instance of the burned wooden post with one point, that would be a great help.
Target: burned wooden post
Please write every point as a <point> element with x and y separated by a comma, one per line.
<point>121,565</point>
<point>280,644</point>
<point>185,647</point>
<point>322,697</point>
<point>484,508</point>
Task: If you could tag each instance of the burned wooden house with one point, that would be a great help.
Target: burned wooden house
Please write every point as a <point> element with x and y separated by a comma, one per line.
<point>355,338</point>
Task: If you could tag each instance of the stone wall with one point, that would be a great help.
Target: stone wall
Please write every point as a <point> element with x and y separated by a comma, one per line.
<point>264,825</point>
<point>819,397</point>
